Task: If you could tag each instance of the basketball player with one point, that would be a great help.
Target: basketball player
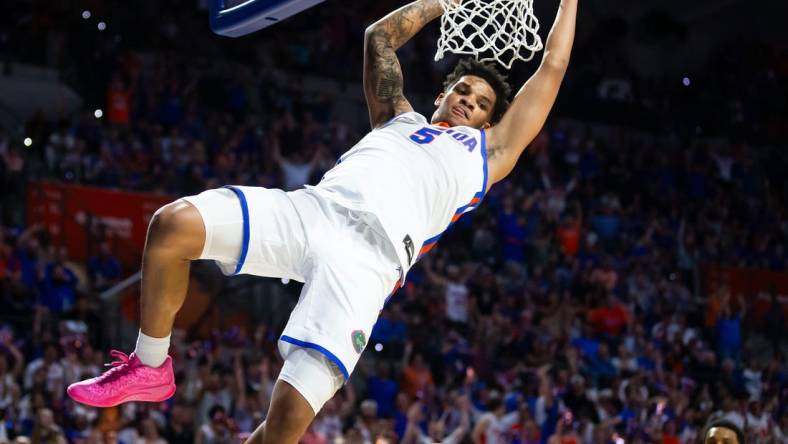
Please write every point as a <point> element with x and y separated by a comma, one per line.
<point>352,238</point>
<point>721,431</point>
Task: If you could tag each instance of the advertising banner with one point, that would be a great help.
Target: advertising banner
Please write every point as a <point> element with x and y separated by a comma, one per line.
<point>80,218</point>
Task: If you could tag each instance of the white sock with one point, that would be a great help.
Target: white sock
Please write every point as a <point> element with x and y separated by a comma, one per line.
<point>152,351</point>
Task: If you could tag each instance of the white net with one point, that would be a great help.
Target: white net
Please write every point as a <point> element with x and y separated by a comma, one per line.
<point>490,30</point>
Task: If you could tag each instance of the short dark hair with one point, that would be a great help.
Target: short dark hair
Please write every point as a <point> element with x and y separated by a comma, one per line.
<point>488,72</point>
<point>216,408</point>
<point>725,424</point>
<point>493,402</point>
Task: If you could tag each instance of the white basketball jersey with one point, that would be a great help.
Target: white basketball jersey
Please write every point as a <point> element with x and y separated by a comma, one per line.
<point>414,177</point>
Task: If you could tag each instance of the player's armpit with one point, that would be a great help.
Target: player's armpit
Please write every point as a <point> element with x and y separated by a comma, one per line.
<point>383,81</point>
<point>507,140</point>
<point>500,160</point>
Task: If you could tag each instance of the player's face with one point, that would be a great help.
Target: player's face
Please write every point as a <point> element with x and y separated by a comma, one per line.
<point>469,102</point>
<point>721,435</point>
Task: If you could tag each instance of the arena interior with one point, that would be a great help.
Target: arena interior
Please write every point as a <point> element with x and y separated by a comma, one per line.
<point>626,284</point>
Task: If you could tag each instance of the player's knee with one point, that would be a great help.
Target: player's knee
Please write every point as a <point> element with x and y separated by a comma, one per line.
<point>283,422</point>
<point>168,221</point>
<point>305,383</point>
<point>178,227</point>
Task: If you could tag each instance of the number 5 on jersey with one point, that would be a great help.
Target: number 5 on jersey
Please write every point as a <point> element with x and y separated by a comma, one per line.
<point>425,135</point>
<point>428,134</point>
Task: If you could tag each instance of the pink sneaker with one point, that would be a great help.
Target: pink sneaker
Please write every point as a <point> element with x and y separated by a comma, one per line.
<point>128,380</point>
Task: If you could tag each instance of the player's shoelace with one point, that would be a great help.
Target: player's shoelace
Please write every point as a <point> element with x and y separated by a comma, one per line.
<point>117,366</point>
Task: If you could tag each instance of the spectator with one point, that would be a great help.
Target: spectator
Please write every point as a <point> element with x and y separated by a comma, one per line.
<point>118,102</point>
<point>149,433</point>
<point>729,328</point>
<point>45,430</point>
<point>610,319</point>
<point>58,287</point>
<point>296,167</point>
<point>436,427</point>
<point>218,430</point>
<point>669,433</point>
<point>104,269</point>
<point>180,425</point>
<point>48,369</point>
<point>416,376</point>
<point>569,231</point>
<point>576,400</point>
<point>494,426</point>
<point>455,293</point>
<point>383,390</point>
<point>564,434</point>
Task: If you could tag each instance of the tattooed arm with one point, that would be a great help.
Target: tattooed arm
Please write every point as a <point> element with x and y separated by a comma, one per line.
<point>382,72</point>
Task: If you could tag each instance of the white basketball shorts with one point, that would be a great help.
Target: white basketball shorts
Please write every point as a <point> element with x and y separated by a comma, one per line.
<point>349,268</point>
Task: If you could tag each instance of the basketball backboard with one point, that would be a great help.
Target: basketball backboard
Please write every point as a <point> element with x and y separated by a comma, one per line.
<point>236,18</point>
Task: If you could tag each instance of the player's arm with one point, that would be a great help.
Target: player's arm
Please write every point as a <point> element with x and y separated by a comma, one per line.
<point>382,72</point>
<point>530,107</point>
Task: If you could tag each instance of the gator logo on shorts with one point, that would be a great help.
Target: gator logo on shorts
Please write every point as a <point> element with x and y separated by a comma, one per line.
<point>359,340</point>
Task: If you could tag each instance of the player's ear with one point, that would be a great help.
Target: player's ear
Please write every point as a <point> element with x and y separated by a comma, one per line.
<point>439,99</point>
<point>487,125</point>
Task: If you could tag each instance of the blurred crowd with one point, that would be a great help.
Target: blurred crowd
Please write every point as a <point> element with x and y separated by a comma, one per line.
<point>570,308</point>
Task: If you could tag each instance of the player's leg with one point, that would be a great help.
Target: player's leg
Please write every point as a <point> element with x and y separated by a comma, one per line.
<point>258,235</point>
<point>307,381</point>
<point>351,270</point>
<point>176,236</point>
<point>289,415</point>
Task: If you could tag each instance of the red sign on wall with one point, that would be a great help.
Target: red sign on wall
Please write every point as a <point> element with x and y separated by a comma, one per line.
<point>80,218</point>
